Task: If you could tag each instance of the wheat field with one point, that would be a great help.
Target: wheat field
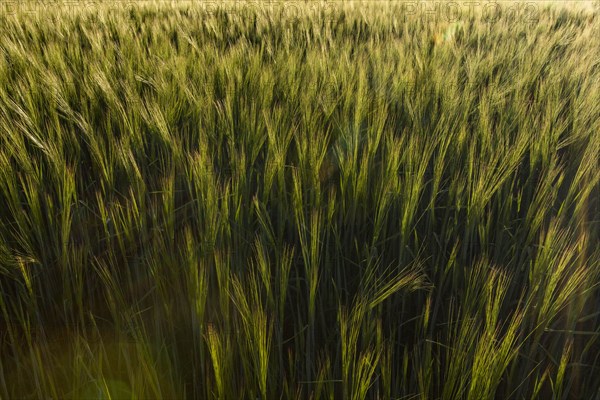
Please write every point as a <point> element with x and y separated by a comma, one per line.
<point>299,200</point>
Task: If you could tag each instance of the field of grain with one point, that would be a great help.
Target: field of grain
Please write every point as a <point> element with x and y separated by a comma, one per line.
<point>299,200</point>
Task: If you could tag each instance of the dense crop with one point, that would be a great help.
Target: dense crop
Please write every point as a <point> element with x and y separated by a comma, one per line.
<point>278,203</point>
